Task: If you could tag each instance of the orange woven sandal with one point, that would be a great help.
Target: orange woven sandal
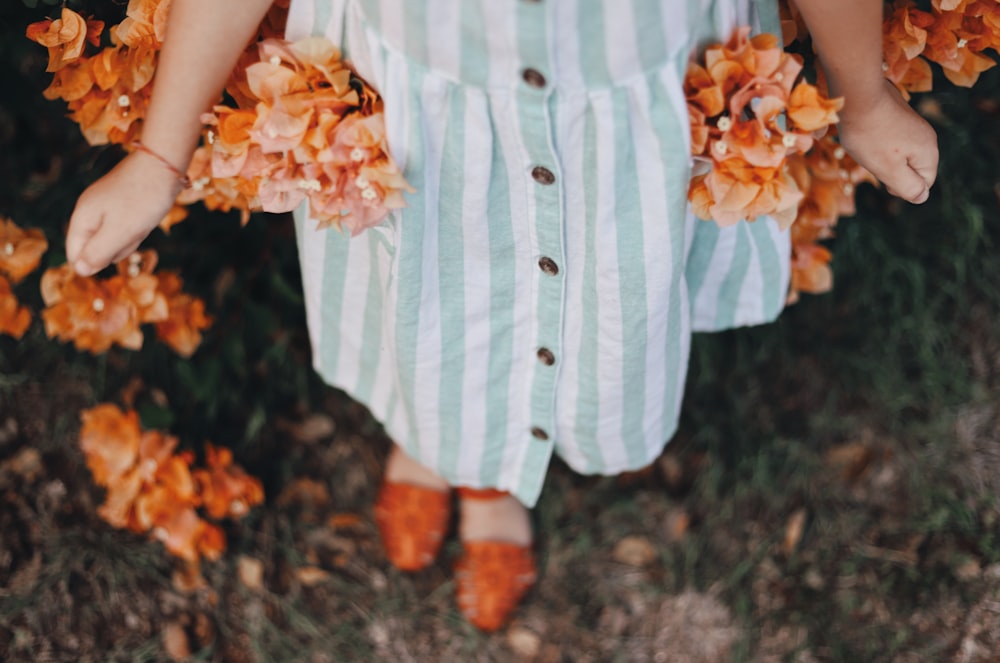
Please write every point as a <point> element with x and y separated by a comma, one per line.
<point>492,576</point>
<point>412,520</point>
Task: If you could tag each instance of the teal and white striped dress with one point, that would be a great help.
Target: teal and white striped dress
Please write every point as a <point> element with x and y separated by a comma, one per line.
<point>538,294</point>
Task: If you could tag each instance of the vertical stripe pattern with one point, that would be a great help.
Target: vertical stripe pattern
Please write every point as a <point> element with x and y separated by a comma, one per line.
<point>538,293</point>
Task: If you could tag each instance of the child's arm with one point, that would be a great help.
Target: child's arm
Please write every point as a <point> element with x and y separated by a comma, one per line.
<point>878,128</point>
<point>204,40</point>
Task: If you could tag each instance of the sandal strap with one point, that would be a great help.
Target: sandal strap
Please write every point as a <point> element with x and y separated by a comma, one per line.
<point>412,520</point>
<point>492,577</point>
<point>480,493</point>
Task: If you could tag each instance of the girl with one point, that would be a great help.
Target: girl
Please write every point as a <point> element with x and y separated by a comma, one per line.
<point>538,293</point>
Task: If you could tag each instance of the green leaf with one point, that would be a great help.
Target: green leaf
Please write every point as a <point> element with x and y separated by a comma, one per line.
<point>155,416</point>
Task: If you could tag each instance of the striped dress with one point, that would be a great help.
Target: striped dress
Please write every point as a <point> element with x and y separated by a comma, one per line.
<point>538,294</point>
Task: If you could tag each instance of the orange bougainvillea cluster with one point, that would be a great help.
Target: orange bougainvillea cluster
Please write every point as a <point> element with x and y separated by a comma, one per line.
<point>152,489</point>
<point>107,91</point>
<point>20,253</point>
<point>749,112</point>
<point>305,129</point>
<point>302,127</point>
<point>953,34</point>
<point>827,177</point>
<point>97,313</point>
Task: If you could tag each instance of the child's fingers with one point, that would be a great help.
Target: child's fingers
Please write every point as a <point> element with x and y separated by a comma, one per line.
<point>926,166</point>
<point>102,249</point>
<point>910,186</point>
<point>126,252</point>
<point>82,227</point>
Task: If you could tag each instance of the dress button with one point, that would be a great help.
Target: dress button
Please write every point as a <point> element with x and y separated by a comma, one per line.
<point>546,357</point>
<point>539,433</point>
<point>543,175</point>
<point>548,265</point>
<point>533,77</point>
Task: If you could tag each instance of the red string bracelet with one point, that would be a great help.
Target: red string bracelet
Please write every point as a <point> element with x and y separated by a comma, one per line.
<point>184,179</point>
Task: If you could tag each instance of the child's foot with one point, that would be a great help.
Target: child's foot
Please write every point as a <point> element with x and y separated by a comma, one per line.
<point>497,566</point>
<point>493,517</point>
<point>400,468</point>
<point>412,511</point>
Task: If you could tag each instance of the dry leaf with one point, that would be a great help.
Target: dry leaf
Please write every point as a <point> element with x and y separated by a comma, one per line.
<point>27,464</point>
<point>677,523</point>
<point>312,429</point>
<point>634,551</point>
<point>251,572</point>
<point>311,575</point>
<point>24,579</point>
<point>204,629</point>
<point>852,458</point>
<point>344,521</point>
<point>303,493</point>
<point>901,557</point>
<point>187,577</point>
<point>969,570</point>
<point>175,641</point>
<point>636,477</point>
<point>673,471</point>
<point>523,642</point>
<point>8,430</point>
<point>793,530</point>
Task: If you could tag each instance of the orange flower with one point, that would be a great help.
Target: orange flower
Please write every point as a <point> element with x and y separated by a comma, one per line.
<point>793,27</point>
<point>176,214</point>
<point>904,34</point>
<point>237,86</point>
<point>949,5</point>
<point>93,314</point>
<point>988,12</point>
<point>736,191</point>
<point>703,92</point>
<point>151,489</point>
<point>953,41</point>
<point>827,177</point>
<point>71,83</point>
<point>145,24</point>
<point>811,271</point>
<point>20,250</point>
<point>142,286</point>
<point>273,25</point>
<point>110,117</point>
<point>14,318</point>
<point>811,111</point>
<point>187,536</point>
<point>699,130</point>
<point>311,135</point>
<point>911,76</point>
<point>65,37</point>
<point>109,439</point>
<point>965,69</point>
<point>769,117</point>
<point>226,490</point>
<point>171,487</point>
<point>229,138</point>
<point>127,491</point>
<point>97,313</point>
<point>185,320</point>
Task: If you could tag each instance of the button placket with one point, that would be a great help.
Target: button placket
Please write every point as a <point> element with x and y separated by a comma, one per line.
<point>543,184</point>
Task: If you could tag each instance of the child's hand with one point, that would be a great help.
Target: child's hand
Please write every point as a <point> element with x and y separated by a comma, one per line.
<point>894,143</point>
<point>118,211</point>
